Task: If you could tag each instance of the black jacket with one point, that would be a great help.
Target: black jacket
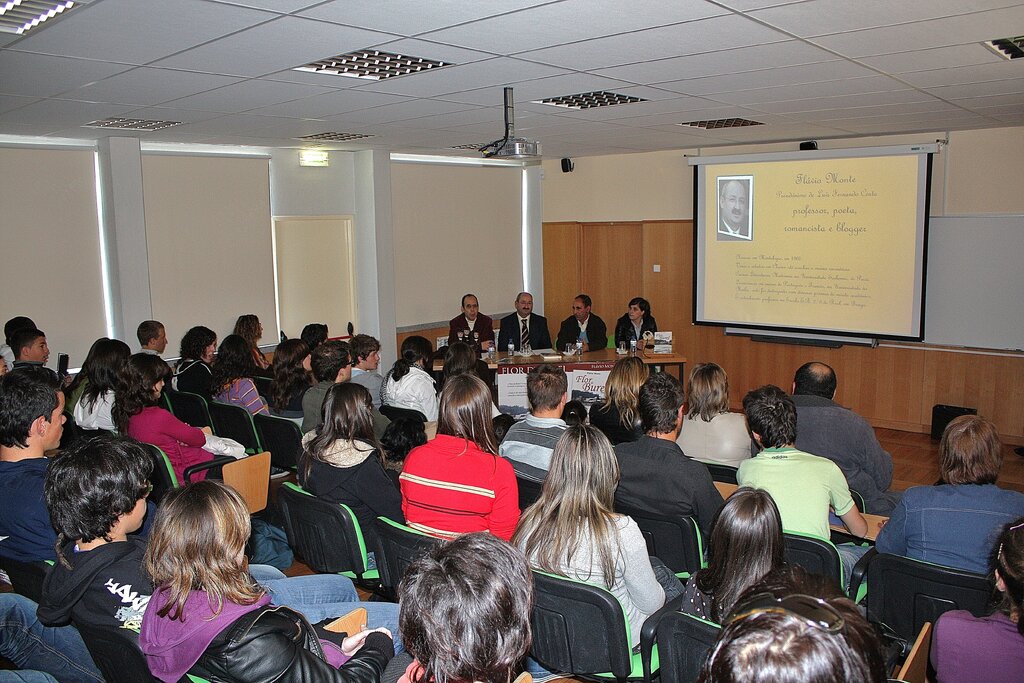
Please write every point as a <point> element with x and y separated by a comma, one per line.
<point>540,338</point>
<point>569,332</point>
<point>624,329</point>
<point>609,420</point>
<point>278,644</point>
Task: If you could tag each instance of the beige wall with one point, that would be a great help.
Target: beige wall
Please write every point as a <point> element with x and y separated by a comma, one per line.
<point>981,176</point>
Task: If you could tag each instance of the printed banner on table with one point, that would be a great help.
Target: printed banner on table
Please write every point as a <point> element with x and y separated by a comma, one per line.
<point>586,384</point>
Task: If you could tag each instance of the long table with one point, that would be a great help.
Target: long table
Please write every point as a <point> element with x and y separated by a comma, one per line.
<point>600,356</point>
<point>875,522</point>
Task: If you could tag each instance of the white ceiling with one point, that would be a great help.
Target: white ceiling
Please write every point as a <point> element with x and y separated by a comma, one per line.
<point>807,69</point>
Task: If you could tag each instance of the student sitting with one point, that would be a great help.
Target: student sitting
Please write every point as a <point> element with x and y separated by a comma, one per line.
<point>619,416</point>
<point>249,328</point>
<point>400,437</point>
<point>30,348</point>
<point>292,378</point>
<point>232,376</point>
<point>100,375</point>
<point>39,652</point>
<point>409,384</point>
<point>193,372</point>
<point>207,618</point>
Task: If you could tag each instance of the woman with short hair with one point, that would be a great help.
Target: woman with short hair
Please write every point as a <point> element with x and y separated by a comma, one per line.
<point>710,433</point>
<point>636,320</point>
<point>194,372</point>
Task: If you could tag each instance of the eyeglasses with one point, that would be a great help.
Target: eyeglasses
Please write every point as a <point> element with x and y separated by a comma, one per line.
<point>815,612</point>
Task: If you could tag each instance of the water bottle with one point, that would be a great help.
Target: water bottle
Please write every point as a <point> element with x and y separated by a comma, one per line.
<point>491,353</point>
<point>579,348</point>
<point>511,349</point>
<point>632,347</point>
<point>476,340</point>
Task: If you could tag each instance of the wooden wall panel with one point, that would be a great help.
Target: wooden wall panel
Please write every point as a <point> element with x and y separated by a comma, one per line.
<point>892,386</point>
<point>612,267</point>
<point>562,271</point>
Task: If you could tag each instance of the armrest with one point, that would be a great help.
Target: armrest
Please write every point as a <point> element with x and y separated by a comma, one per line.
<point>649,633</point>
<point>859,570</point>
<point>208,465</point>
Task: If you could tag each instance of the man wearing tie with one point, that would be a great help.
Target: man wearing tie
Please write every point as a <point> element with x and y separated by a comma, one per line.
<point>583,326</point>
<point>524,325</point>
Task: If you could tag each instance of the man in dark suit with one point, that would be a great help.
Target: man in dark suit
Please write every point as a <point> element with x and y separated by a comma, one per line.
<point>524,324</point>
<point>584,326</point>
<point>476,328</point>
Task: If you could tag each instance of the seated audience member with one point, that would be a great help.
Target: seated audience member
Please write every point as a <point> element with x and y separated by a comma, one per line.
<point>233,374</point>
<point>30,348</point>
<point>656,475</point>
<point>831,431</point>
<point>341,461</point>
<point>466,611</point>
<point>955,523</point>
<point>524,325</point>
<point>471,326</point>
<point>41,654</point>
<point>16,323</point>
<point>409,384</point>
<point>582,326</point>
<point>292,378</point>
<point>365,361</point>
<point>194,372</point>
<point>619,416</point>
<point>249,328</point>
<point>101,374</point>
<point>457,483</point>
<point>636,320</point>
<point>96,494</point>
<point>793,628</point>
<point>502,423</point>
<point>3,367</point>
<point>529,442</point>
<point>710,433</point>
<point>746,544</point>
<point>152,337</point>
<point>966,648</point>
<point>136,414</point>
<point>330,365</point>
<point>574,413</point>
<point>461,358</point>
<point>398,440</point>
<point>207,617</point>
<point>31,423</point>
<point>804,486</point>
<point>314,334</point>
<point>573,530</point>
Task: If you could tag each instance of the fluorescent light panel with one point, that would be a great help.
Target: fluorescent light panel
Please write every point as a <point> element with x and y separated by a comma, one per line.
<point>721,123</point>
<point>20,16</point>
<point>335,137</point>
<point>590,100</point>
<point>131,124</point>
<point>372,65</point>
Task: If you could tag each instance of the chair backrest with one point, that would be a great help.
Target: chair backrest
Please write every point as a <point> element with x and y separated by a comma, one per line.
<point>282,437</point>
<point>722,472</point>
<point>905,593</point>
<point>250,476</point>
<point>263,386</point>
<point>189,408</point>
<point>26,577</point>
<point>816,555</point>
<point>676,541</point>
<point>235,422</point>
<point>162,478</point>
<point>915,667</point>
<point>529,492</point>
<point>578,628</point>
<point>393,413</point>
<point>326,535</point>
<point>684,643</point>
<point>858,500</point>
<point>398,546</point>
<point>71,433</point>
<point>116,655</point>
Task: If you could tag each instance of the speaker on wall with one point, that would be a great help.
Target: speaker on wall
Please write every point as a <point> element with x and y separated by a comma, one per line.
<point>567,165</point>
<point>809,145</point>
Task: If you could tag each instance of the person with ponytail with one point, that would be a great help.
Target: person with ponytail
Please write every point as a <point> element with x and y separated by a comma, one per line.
<point>966,648</point>
<point>409,384</point>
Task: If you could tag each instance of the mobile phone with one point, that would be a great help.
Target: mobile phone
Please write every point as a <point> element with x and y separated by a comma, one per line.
<point>351,623</point>
<point>63,360</point>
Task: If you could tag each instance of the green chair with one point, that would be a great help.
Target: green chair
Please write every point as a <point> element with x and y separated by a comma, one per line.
<point>676,541</point>
<point>398,546</point>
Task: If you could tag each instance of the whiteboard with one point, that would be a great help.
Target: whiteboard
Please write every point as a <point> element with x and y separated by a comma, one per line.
<point>975,282</point>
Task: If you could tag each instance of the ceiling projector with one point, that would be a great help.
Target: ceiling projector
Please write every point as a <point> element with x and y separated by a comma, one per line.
<point>511,147</point>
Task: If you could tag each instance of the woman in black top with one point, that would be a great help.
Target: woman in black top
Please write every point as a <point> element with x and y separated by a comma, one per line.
<point>619,416</point>
<point>193,373</point>
<point>292,378</point>
<point>639,316</point>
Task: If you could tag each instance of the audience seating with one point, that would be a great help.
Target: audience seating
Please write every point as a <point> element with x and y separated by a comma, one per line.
<point>723,473</point>
<point>580,628</point>
<point>398,546</point>
<point>816,555</point>
<point>326,535</point>
<point>250,476</point>
<point>263,386</point>
<point>393,413</point>
<point>26,577</point>
<point>117,657</point>
<point>235,422</point>
<point>189,408</point>
<point>282,437</point>
<point>684,643</point>
<point>72,432</point>
<point>904,594</point>
<point>529,492</point>
<point>858,500</point>
<point>676,541</point>
<point>915,668</point>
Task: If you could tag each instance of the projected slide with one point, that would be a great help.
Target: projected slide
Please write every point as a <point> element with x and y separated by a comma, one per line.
<point>812,244</point>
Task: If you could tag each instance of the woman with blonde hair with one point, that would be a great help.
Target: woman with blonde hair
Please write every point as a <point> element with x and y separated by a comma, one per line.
<point>710,433</point>
<point>619,416</point>
<point>573,530</point>
<point>209,618</point>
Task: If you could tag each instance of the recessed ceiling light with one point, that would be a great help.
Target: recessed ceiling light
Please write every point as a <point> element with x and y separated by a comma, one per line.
<point>1007,48</point>
<point>131,124</point>
<point>373,65</point>
<point>589,100</point>
<point>19,16</point>
<point>335,137</point>
<point>722,123</point>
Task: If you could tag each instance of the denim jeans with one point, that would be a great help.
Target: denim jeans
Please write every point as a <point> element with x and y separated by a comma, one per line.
<point>58,651</point>
<point>324,596</point>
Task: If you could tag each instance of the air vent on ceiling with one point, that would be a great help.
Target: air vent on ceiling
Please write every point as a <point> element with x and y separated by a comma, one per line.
<point>335,137</point>
<point>131,124</point>
<point>722,123</point>
<point>20,16</point>
<point>373,65</point>
<point>589,100</point>
<point>1007,48</point>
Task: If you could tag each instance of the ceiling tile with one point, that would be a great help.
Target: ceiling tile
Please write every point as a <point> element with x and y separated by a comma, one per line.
<point>8,102</point>
<point>849,86</point>
<point>247,95</point>
<point>1001,69</point>
<point>148,86</point>
<point>398,112</point>
<point>35,75</point>
<point>933,58</point>
<point>497,72</point>
<point>812,104</point>
<point>329,104</point>
<point>405,18</point>
<point>61,112</point>
<point>955,92</point>
<point>790,75</point>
